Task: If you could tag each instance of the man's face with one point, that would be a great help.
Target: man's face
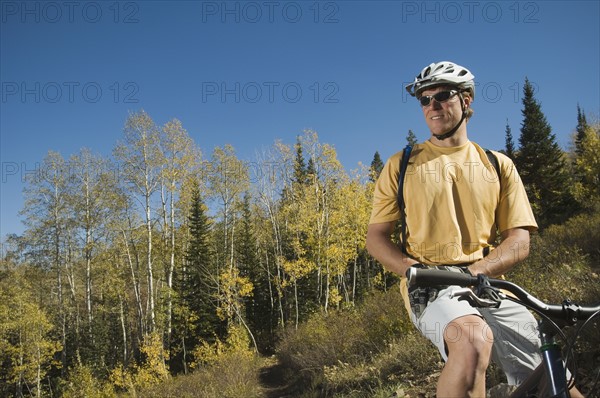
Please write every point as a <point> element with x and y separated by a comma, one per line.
<point>442,117</point>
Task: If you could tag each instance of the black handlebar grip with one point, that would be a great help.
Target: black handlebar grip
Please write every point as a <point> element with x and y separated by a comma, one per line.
<point>433,277</point>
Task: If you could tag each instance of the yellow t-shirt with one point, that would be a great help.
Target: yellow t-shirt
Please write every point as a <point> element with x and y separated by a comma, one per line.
<point>454,203</point>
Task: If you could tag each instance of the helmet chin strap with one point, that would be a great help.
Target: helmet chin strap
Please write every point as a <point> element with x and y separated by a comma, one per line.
<point>450,133</point>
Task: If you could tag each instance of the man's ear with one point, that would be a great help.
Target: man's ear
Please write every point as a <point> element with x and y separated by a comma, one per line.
<point>467,101</point>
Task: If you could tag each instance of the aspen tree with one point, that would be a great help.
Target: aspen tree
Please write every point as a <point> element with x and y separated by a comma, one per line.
<point>141,162</point>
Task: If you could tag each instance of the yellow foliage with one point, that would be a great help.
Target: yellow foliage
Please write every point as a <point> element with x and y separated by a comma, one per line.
<point>26,344</point>
<point>82,383</point>
<point>378,281</point>
<point>151,372</point>
<point>237,342</point>
<point>299,268</point>
<point>154,350</point>
<point>586,189</point>
<point>121,378</point>
<point>233,287</point>
<point>232,281</point>
<point>207,354</point>
<point>334,296</point>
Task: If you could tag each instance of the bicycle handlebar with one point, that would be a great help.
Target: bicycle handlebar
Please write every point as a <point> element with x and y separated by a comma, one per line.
<point>432,277</point>
<point>567,311</point>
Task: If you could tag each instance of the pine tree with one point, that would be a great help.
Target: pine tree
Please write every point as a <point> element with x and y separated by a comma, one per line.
<point>311,170</point>
<point>509,149</point>
<point>257,306</point>
<point>582,126</point>
<point>376,167</point>
<point>196,284</point>
<point>300,170</point>
<point>201,270</point>
<point>541,164</point>
<point>411,138</point>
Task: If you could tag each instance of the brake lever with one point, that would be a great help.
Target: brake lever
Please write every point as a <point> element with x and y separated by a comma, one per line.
<point>467,294</point>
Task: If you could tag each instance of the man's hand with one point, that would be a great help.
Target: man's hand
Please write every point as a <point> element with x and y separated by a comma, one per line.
<point>466,270</point>
<point>380,246</point>
<point>513,249</point>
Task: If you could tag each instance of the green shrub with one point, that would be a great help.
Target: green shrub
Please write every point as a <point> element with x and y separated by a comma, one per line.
<point>223,370</point>
<point>555,270</point>
<point>384,317</point>
<point>82,383</point>
<point>582,232</point>
<point>410,364</point>
<point>361,350</point>
<point>564,261</point>
<point>346,336</point>
<point>232,375</point>
<point>411,357</point>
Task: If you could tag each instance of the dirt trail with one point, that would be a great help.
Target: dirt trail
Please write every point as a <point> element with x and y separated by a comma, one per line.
<point>272,378</point>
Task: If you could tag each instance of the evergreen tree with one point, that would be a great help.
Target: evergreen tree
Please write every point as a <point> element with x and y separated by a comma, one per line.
<point>311,170</point>
<point>202,271</point>
<point>257,306</point>
<point>300,170</point>
<point>541,164</point>
<point>509,149</point>
<point>196,284</point>
<point>376,167</point>
<point>582,126</point>
<point>246,249</point>
<point>411,138</point>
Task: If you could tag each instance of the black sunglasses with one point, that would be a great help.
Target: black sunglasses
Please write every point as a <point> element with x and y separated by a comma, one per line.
<point>440,97</point>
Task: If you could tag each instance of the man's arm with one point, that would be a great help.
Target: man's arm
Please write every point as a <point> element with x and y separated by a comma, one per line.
<point>513,249</point>
<point>380,246</point>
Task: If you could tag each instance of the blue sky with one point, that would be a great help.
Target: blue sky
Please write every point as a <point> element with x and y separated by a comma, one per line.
<point>248,73</point>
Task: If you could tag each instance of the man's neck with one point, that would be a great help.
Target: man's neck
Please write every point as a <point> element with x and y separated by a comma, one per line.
<point>459,138</point>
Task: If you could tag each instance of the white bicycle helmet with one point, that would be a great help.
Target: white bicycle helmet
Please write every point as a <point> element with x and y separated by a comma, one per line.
<point>443,73</point>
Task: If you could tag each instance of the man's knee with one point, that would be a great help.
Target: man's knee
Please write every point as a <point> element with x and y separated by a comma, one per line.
<point>470,339</point>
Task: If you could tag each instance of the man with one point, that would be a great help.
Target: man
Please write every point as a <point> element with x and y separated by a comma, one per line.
<point>454,202</point>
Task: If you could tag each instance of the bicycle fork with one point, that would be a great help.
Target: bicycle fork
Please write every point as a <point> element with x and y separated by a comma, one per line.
<point>548,379</point>
<point>554,371</point>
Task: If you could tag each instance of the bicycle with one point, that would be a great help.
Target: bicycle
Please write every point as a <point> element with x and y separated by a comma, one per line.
<point>550,378</point>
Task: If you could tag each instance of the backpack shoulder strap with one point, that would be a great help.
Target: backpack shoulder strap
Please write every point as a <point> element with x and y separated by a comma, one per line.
<point>494,161</point>
<point>400,196</point>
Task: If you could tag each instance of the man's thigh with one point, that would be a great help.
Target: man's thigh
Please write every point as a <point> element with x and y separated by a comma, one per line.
<point>439,315</point>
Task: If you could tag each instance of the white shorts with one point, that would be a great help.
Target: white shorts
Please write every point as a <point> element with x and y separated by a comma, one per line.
<point>511,327</point>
